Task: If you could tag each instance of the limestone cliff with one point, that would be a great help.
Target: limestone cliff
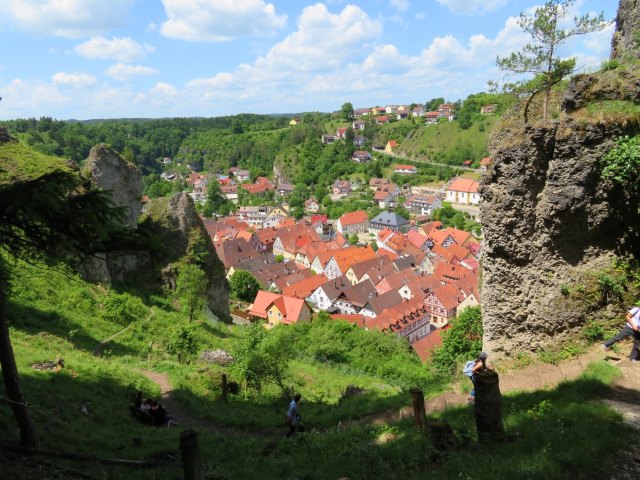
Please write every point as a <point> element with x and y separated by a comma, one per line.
<point>626,39</point>
<point>174,224</point>
<point>549,218</point>
<point>108,171</point>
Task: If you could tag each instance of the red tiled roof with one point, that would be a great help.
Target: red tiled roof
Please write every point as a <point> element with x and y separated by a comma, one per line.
<point>464,185</point>
<point>405,167</point>
<point>425,346</point>
<point>353,218</point>
<point>262,302</point>
<point>354,319</point>
<point>416,238</point>
<point>387,253</point>
<point>427,228</point>
<point>392,143</point>
<point>449,296</point>
<point>304,288</point>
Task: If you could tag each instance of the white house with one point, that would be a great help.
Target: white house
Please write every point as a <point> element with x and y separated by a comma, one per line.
<point>463,191</point>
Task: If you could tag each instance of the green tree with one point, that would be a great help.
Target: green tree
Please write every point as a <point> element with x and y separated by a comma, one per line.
<point>215,201</point>
<point>183,343</point>
<point>263,356</point>
<point>48,213</point>
<point>191,288</point>
<point>353,239</point>
<point>244,285</point>
<point>347,111</point>
<point>463,341</point>
<point>432,105</point>
<point>541,58</point>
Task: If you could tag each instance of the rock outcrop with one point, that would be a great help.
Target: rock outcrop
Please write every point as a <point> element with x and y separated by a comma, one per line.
<point>549,218</point>
<point>174,224</point>
<point>108,171</point>
<point>626,39</point>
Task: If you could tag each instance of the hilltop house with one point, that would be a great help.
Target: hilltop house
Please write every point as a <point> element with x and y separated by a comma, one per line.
<point>405,169</point>
<point>361,156</point>
<point>341,187</point>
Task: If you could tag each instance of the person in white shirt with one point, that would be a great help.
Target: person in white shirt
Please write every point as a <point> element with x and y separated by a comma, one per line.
<point>293,416</point>
<point>631,328</point>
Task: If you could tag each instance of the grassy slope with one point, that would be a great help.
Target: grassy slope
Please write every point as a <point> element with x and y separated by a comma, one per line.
<point>19,163</point>
<point>56,315</point>
<point>441,141</point>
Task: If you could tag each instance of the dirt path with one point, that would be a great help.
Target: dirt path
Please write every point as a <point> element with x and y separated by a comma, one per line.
<point>185,420</point>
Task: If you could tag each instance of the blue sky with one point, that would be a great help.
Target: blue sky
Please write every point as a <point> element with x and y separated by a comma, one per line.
<point>162,58</point>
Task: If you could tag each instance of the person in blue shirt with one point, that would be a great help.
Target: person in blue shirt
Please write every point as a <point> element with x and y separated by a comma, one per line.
<point>293,416</point>
<point>631,328</point>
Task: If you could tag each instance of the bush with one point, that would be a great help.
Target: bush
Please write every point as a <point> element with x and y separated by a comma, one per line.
<point>183,342</point>
<point>463,341</point>
<point>122,308</point>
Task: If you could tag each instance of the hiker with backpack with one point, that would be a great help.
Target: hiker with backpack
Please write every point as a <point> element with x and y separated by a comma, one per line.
<point>471,369</point>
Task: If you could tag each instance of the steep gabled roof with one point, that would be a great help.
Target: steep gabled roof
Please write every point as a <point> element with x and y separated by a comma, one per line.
<point>449,296</point>
<point>380,303</point>
<point>360,293</point>
<point>262,302</point>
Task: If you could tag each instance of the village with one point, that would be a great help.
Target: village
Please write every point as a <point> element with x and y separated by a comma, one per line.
<point>407,275</point>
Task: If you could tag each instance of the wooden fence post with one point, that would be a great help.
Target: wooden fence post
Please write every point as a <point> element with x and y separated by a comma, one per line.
<point>488,405</point>
<point>191,462</point>
<point>418,408</point>
<point>225,387</point>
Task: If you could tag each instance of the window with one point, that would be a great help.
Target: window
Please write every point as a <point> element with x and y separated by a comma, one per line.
<point>279,315</point>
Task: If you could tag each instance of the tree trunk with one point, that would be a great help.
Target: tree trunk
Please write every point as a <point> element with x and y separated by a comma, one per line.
<point>10,372</point>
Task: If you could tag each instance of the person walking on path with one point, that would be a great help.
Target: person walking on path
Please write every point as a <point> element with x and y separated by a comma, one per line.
<point>471,369</point>
<point>293,416</point>
<point>631,328</point>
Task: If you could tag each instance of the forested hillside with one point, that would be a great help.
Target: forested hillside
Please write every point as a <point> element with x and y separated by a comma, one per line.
<point>255,142</point>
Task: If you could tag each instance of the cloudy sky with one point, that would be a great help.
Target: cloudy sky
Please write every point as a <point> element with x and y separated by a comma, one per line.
<point>159,58</point>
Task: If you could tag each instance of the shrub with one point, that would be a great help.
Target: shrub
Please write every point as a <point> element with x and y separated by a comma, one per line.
<point>462,341</point>
<point>122,308</point>
<point>183,342</point>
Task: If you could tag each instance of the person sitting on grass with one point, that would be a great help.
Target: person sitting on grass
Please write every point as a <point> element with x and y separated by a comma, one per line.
<point>160,416</point>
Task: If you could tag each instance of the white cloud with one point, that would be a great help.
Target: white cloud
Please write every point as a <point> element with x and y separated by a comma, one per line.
<point>122,71</point>
<point>66,18</point>
<point>471,7</point>
<point>600,42</point>
<point>73,79</point>
<point>323,40</point>
<point>388,59</point>
<point>219,20</point>
<point>402,5</point>
<point>123,49</point>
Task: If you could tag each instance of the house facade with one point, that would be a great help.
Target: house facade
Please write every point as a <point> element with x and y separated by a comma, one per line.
<point>464,191</point>
<point>353,222</point>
